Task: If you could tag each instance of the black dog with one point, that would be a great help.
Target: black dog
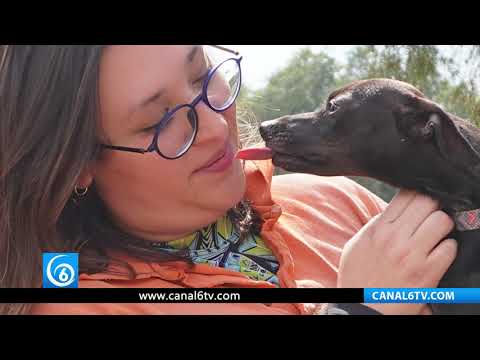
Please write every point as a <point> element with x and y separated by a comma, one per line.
<point>388,130</point>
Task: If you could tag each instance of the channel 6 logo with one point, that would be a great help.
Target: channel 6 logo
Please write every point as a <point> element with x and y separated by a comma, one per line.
<point>60,270</point>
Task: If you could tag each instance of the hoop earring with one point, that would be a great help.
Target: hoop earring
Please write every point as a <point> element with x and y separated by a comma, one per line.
<point>81,192</point>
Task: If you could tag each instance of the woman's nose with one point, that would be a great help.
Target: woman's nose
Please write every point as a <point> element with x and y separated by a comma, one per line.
<point>212,125</point>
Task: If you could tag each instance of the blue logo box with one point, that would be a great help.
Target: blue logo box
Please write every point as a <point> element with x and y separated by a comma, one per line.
<point>60,270</point>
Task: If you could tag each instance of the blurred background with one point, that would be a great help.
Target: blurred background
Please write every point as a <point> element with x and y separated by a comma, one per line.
<point>285,79</point>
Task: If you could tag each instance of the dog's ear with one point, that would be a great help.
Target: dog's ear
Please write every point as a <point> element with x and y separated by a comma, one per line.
<point>457,140</point>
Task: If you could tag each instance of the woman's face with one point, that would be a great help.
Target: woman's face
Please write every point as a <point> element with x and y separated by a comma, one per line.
<point>147,195</point>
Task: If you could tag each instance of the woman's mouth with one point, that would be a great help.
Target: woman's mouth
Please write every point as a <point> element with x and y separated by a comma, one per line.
<point>222,162</point>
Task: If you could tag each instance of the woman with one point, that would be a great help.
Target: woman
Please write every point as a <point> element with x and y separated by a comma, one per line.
<point>125,154</point>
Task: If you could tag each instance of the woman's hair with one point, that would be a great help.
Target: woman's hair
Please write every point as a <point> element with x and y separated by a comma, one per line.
<point>48,120</point>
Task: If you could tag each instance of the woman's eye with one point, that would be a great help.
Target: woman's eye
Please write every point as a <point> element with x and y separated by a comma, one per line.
<point>332,107</point>
<point>154,126</point>
<point>149,129</point>
<point>201,80</point>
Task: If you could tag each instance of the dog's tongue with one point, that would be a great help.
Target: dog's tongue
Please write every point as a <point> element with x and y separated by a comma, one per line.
<point>254,153</point>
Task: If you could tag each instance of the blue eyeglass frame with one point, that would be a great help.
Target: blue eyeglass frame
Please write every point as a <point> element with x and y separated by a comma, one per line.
<point>169,115</point>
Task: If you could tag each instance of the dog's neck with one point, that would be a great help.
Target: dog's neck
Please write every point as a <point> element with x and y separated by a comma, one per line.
<point>461,204</point>
<point>465,214</point>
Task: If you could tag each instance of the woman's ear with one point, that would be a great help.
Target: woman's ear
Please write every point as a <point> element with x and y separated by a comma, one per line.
<point>86,177</point>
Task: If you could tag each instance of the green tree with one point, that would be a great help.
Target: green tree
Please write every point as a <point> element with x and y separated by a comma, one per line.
<point>415,64</point>
<point>299,87</point>
<point>461,100</point>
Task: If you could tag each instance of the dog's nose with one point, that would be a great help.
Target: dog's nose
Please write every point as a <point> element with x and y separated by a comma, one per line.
<point>267,128</point>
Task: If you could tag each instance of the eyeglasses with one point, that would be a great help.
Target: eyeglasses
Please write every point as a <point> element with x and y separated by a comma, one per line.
<point>176,131</point>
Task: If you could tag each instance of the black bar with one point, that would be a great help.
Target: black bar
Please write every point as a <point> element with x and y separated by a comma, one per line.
<point>182,295</point>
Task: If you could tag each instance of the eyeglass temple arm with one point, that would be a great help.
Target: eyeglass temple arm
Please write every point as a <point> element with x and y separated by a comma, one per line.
<point>124,148</point>
<point>226,49</point>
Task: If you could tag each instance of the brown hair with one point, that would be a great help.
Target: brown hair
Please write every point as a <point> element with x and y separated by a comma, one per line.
<point>48,114</point>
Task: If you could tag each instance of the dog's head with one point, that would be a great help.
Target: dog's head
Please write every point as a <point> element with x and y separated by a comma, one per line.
<point>380,128</point>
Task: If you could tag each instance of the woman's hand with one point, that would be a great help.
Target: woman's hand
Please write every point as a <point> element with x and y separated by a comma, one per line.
<point>403,247</point>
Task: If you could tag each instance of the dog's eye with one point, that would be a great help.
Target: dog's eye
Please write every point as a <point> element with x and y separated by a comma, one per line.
<point>332,107</point>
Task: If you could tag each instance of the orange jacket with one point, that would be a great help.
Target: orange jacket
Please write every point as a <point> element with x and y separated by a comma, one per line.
<point>308,219</point>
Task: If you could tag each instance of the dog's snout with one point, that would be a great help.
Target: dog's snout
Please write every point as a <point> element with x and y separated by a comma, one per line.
<point>268,128</point>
